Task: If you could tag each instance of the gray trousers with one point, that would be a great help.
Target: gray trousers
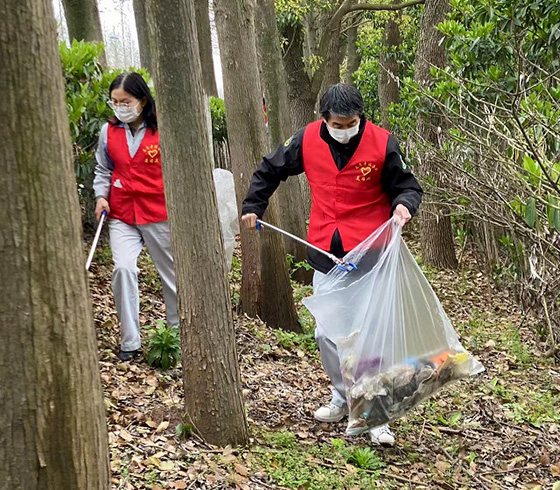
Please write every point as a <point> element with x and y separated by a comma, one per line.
<point>329,358</point>
<point>126,243</point>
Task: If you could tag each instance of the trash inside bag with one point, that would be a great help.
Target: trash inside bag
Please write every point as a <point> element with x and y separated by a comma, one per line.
<point>227,209</point>
<point>396,345</point>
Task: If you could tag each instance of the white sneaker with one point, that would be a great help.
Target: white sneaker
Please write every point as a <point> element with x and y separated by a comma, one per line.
<point>382,436</point>
<point>330,413</point>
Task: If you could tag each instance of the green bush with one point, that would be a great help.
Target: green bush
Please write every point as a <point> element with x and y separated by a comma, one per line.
<point>219,125</point>
<point>164,346</point>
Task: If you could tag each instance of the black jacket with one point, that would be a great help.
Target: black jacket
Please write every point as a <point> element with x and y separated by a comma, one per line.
<point>396,180</point>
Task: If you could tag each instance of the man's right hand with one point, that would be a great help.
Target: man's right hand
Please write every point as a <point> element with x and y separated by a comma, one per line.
<point>101,205</point>
<point>250,220</point>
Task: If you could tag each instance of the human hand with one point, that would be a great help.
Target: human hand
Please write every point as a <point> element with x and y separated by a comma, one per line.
<point>101,205</point>
<point>402,215</point>
<point>250,220</point>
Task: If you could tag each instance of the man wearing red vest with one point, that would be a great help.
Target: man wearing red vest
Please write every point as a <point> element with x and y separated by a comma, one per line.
<point>358,180</point>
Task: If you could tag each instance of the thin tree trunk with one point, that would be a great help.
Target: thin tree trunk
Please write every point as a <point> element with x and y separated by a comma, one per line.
<point>436,232</point>
<point>54,433</point>
<point>205,46</point>
<point>266,290</point>
<point>142,30</point>
<point>82,18</point>
<point>211,377</point>
<point>353,56</point>
<point>388,87</point>
<point>289,197</point>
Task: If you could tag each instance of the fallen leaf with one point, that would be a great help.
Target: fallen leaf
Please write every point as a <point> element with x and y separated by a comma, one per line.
<point>179,485</point>
<point>239,468</point>
<point>166,466</point>
<point>161,427</point>
<point>125,435</point>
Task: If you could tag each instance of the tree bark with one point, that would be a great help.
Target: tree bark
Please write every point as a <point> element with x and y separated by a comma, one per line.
<point>82,18</point>
<point>353,56</point>
<point>211,377</point>
<point>289,197</point>
<point>205,47</point>
<point>436,232</point>
<point>142,30</point>
<point>266,290</point>
<point>388,87</point>
<point>54,432</point>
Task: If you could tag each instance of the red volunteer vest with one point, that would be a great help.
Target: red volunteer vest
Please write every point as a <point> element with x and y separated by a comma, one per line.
<point>350,199</point>
<point>137,195</point>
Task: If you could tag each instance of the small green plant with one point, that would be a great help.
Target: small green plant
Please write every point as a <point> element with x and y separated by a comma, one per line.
<point>291,340</point>
<point>184,430</point>
<point>365,458</point>
<point>164,346</point>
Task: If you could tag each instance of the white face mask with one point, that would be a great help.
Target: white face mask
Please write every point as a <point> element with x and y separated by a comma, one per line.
<point>127,114</point>
<point>343,135</point>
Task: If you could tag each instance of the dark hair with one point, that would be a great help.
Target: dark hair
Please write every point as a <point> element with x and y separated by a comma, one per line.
<point>135,85</point>
<point>341,100</point>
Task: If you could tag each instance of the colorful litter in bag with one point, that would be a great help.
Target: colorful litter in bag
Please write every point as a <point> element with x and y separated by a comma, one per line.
<point>396,345</point>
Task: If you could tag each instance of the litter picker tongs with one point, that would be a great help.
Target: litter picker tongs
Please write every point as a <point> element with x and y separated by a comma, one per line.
<point>341,264</point>
<point>96,239</point>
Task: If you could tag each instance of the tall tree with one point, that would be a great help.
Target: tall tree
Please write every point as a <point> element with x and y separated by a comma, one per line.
<point>82,18</point>
<point>266,290</point>
<point>353,57</point>
<point>388,86</point>
<point>289,196</point>
<point>211,377</point>
<point>142,31</point>
<point>437,234</point>
<point>205,47</point>
<point>54,433</point>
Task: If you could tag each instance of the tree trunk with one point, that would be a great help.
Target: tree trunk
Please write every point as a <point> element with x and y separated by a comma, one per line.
<point>289,197</point>
<point>211,377</point>
<point>388,87</point>
<point>353,56</point>
<point>266,290</point>
<point>205,46</point>
<point>300,97</point>
<point>142,30</point>
<point>82,18</point>
<point>54,433</point>
<point>436,232</point>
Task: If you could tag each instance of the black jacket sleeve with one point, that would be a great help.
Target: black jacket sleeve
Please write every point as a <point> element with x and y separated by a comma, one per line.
<point>274,168</point>
<point>398,181</point>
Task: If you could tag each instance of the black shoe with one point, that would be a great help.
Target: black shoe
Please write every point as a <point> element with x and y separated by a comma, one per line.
<point>127,355</point>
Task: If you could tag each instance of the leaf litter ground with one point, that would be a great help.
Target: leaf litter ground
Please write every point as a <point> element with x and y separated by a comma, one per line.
<point>499,430</point>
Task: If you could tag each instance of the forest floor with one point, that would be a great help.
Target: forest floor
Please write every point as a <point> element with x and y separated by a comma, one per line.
<point>497,430</point>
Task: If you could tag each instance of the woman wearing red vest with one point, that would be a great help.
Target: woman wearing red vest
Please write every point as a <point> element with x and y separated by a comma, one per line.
<point>358,180</point>
<point>128,185</point>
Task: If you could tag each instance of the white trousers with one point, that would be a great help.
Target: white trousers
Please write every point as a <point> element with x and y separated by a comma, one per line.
<point>329,357</point>
<point>126,243</point>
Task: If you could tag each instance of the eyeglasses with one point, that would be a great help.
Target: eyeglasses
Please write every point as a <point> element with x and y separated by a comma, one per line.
<point>113,105</point>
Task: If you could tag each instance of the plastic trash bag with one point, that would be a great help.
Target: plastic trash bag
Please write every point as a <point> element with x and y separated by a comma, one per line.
<point>227,209</point>
<point>396,345</point>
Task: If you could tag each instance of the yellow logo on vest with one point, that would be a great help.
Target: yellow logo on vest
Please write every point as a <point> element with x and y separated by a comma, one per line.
<point>152,153</point>
<point>365,168</point>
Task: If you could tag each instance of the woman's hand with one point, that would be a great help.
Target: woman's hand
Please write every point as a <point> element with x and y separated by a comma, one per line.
<point>101,205</point>
<point>250,220</point>
<point>401,214</point>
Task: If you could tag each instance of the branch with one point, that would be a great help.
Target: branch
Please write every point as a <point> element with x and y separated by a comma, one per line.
<point>371,6</point>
